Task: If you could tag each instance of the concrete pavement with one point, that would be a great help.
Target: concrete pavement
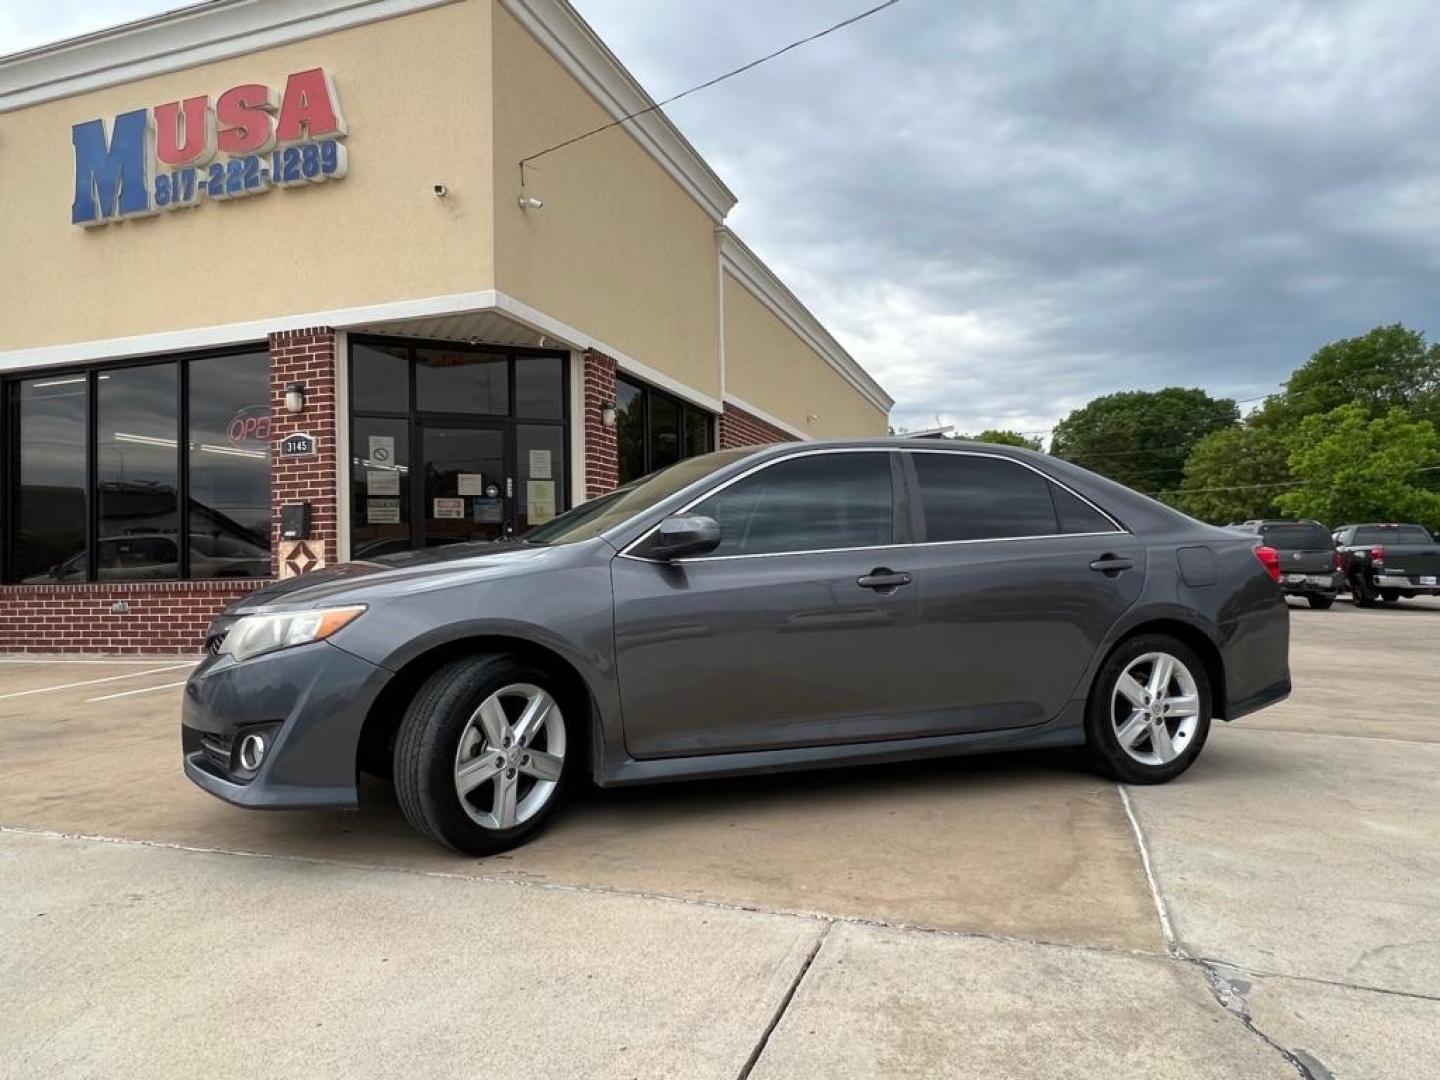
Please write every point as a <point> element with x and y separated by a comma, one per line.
<point>976,918</point>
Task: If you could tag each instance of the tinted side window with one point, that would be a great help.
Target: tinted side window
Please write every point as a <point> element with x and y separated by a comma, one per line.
<point>964,497</point>
<point>1076,515</point>
<point>809,503</point>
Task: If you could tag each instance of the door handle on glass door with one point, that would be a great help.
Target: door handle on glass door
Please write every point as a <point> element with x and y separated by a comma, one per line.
<point>1111,565</point>
<point>883,579</point>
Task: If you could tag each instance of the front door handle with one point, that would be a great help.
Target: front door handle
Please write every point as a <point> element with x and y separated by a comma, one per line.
<point>882,579</point>
<point>1110,565</point>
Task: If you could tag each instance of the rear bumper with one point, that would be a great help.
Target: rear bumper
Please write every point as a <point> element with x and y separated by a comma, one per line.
<point>1329,586</point>
<point>309,703</point>
<point>1405,583</point>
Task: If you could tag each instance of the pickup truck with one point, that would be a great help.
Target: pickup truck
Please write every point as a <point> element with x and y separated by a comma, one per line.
<point>1304,554</point>
<point>1387,562</point>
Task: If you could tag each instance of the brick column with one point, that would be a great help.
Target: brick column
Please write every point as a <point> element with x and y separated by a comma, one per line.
<point>304,356</point>
<point>602,461</point>
<point>739,428</point>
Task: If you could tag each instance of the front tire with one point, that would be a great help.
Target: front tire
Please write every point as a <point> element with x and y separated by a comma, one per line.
<point>1149,711</point>
<point>480,760</point>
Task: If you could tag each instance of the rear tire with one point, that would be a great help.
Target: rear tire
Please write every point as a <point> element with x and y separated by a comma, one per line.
<point>480,760</point>
<point>1320,603</point>
<point>1361,593</point>
<point>1124,736</point>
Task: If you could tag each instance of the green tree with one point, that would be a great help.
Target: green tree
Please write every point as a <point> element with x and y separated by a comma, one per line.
<point>1004,438</point>
<point>1388,367</point>
<point>1139,437</point>
<point>1234,474</point>
<point>1352,467</point>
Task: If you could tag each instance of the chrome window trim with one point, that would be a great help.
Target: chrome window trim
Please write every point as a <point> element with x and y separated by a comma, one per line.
<point>626,552</point>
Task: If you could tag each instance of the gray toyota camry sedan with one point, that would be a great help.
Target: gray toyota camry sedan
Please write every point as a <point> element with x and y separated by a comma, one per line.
<point>788,607</point>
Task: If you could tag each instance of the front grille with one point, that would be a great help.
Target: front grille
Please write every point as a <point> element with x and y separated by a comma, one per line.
<point>217,750</point>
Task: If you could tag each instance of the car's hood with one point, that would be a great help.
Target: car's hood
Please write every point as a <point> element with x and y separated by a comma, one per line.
<point>410,569</point>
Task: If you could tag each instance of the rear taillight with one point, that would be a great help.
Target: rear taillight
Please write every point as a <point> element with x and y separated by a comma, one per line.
<point>1377,556</point>
<point>1270,559</point>
<point>1339,562</point>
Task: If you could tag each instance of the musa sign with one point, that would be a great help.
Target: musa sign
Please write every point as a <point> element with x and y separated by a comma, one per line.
<point>170,156</point>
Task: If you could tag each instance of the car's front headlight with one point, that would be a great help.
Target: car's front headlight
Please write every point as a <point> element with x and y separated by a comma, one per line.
<point>261,633</point>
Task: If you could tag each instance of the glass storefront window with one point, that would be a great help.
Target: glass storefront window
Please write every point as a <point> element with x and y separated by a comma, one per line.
<point>137,473</point>
<point>229,448</point>
<point>540,388</point>
<point>654,429</point>
<point>47,535</point>
<point>113,509</point>
<point>630,430</point>
<point>379,378</point>
<point>479,454</point>
<point>379,487</point>
<point>461,382</point>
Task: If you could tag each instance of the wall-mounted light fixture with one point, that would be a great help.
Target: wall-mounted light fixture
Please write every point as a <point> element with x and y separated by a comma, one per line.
<point>607,415</point>
<point>295,397</point>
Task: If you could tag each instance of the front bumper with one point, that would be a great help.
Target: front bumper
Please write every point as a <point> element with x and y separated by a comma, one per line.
<point>310,703</point>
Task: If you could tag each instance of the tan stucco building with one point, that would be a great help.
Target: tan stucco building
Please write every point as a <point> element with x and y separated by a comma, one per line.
<point>269,268</point>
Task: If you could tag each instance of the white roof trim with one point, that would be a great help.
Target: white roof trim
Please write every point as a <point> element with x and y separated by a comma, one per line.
<point>745,267</point>
<point>368,317</point>
<point>184,37</point>
<point>567,37</point>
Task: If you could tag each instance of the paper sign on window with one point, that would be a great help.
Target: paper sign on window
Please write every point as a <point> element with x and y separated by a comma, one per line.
<point>382,482</point>
<point>540,465</point>
<point>449,508</point>
<point>540,501</point>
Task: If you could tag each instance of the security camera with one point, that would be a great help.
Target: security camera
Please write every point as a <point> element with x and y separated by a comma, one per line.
<point>440,191</point>
<point>529,202</point>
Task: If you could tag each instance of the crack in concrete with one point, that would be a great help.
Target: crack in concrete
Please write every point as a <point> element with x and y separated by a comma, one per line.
<point>783,1006</point>
<point>1231,995</point>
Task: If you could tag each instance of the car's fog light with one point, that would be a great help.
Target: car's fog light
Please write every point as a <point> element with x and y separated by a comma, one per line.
<point>252,752</point>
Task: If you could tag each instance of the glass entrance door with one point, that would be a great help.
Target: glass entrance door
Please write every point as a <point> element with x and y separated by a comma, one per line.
<point>466,493</point>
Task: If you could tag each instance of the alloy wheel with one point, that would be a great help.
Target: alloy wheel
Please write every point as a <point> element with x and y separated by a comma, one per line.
<point>510,757</point>
<point>1155,708</point>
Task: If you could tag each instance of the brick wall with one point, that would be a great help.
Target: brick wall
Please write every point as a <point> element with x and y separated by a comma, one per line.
<point>155,616</point>
<point>304,356</point>
<point>739,428</point>
<point>602,461</point>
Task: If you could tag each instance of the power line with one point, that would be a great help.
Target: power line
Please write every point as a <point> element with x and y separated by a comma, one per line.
<point>705,85</point>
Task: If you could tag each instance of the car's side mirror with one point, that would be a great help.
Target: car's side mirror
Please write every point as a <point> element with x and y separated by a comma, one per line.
<point>684,534</point>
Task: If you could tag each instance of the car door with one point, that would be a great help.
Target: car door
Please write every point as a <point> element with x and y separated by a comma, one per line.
<point>793,632</point>
<point>1020,580</point>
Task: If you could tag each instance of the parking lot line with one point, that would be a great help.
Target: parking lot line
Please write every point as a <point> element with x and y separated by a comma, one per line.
<point>112,662</point>
<point>92,682</point>
<point>142,690</point>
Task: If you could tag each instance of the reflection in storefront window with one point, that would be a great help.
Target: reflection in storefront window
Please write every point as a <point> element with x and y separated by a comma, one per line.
<point>48,530</point>
<point>140,496</point>
<point>229,449</point>
<point>137,474</point>
<point>653,430</point>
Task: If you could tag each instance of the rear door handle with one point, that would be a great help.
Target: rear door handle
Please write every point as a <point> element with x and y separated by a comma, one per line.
<point>883,579</point>
<point>1112,564</point>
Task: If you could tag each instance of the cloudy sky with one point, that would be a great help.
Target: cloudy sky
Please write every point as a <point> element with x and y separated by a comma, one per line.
<point>1005,208</point>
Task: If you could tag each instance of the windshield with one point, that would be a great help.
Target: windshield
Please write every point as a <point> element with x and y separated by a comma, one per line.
<point>1392,534</point>
<point>590,519</point>
<point>1297,536</point>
